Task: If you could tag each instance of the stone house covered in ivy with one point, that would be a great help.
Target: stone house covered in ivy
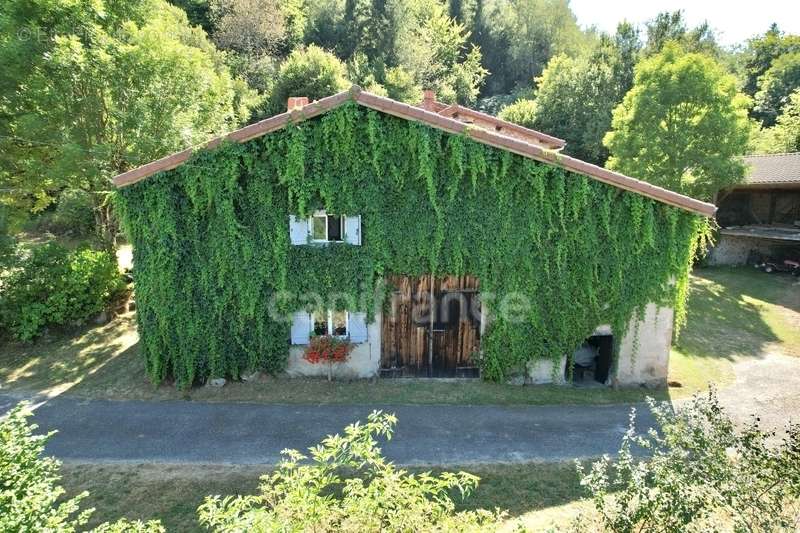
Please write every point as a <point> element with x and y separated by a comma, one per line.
<point>436,240</point>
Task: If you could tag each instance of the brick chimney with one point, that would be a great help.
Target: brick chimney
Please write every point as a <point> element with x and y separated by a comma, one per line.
<point>428,99</point>
<point>296,102</point>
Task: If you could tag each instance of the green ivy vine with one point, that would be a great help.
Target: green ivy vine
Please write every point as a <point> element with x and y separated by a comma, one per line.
<point>212,251</point>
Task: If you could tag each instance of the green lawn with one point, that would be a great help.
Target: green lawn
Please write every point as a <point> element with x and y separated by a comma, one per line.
<point>733,313</point>
<point>533,493</point>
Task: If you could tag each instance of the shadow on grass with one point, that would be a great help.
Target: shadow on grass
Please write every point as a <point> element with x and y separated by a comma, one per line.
<point>728,310</point>
<point>64,359</point>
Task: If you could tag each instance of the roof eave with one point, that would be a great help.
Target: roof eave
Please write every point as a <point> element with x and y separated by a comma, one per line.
<point>435,120</point>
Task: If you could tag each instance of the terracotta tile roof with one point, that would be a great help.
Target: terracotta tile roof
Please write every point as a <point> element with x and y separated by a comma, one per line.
<point>489,122</point>
<point>773,169</point>
<point>499,139</point>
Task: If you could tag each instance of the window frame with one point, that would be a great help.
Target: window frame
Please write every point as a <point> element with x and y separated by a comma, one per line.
<point>324,214</point>
<point>329,324</point>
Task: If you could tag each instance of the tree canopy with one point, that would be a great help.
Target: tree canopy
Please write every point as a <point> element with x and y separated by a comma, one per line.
<point>681,126</point>
<point>99,88</point>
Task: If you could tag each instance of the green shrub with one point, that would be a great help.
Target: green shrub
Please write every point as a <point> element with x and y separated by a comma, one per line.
<point>347,485</point>
<point>55,286</point>
<point>310,72</point>
<point>73,215</point>
<point>7,241</point>
<point>30,497</point>
<point>700,474</point>
<point>522,112</point>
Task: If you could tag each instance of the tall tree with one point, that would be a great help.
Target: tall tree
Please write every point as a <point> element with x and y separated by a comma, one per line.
<point>682,126</point>
<point>101,89</point>
<point>518,38</point>
<point>784,136</point>
<point>671,27</point>
<point>435,50</point>
<point>762,51</point>
<point>574,101</point>
<point>775,87</point>
<point>575,97</point>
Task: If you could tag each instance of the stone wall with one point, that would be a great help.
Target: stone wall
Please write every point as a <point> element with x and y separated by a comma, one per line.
<point>364,360</point>
<point>648,364</point>
<point>734,250</point>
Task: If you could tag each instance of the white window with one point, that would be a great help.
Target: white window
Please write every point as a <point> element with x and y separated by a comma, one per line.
<point>329,322</point>
<point>326,228</point>
<point>322,227</point>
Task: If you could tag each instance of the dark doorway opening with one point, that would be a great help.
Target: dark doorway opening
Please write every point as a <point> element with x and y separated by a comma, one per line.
<point>592,360</point>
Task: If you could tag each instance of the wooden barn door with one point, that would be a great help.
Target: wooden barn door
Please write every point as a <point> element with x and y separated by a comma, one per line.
<point>432,327</point>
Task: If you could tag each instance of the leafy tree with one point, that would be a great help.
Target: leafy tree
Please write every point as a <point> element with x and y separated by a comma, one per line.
<point>92,89</point>
<point>347,485</point>
<point>627,47</point>
<point>30,497</point>
<point>784,136</point>
<point>433,48</point>
<point>198,12</point>
<point>762,51</point>
<point>401,86</point>
<point>697,473</point>
<point>574,101</point>
<point>681,126</point>
<point>576,96</point>
<point>518,38</point>
<point>671,27</point>
<point>775,86</point>
<point>310,72</point>
<point>522,112</point>
<point>249,27</point>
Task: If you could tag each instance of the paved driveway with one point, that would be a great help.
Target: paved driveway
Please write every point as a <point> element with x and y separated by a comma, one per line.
<point>195,432</point>
<point>192,432</point>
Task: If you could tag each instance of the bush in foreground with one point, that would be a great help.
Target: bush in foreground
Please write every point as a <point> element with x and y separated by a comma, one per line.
<point>30,497</point>
<point>700,474</point>
<point>347,485</point>
<point>54,286</point>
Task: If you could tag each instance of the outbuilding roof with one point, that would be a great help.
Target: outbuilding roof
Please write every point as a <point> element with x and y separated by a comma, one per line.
<point>531,144</point>
<point>773,169</point>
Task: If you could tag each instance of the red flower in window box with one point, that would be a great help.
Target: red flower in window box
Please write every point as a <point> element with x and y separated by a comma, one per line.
<point>328,349</point>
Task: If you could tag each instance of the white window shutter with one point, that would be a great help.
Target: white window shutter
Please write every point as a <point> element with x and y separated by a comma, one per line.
<point>352,230</point>
<point>301,327</point>
<point>298,230</point>
<point>358,327</point>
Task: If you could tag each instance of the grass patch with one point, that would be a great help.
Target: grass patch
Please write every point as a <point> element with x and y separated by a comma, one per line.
<point>534,493</point>
<point>733,313</point>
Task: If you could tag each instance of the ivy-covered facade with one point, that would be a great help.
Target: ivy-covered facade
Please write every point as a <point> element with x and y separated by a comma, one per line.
<point>219,280</point>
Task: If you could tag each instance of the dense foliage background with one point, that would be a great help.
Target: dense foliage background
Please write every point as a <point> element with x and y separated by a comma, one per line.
<point>215,231</point>
<point>94,88</point>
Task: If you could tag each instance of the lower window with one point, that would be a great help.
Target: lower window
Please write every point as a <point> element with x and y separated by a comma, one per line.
<point>329,322</point>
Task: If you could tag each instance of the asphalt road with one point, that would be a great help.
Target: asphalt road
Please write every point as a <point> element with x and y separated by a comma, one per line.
<point>213,433</point>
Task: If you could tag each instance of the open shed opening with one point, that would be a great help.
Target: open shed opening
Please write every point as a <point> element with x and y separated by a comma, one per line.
<point>591,362</point>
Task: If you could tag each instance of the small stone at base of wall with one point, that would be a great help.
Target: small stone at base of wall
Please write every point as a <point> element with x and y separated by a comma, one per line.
<point>516,380</point>
<point>251,377</point>
<point>216,382</point>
